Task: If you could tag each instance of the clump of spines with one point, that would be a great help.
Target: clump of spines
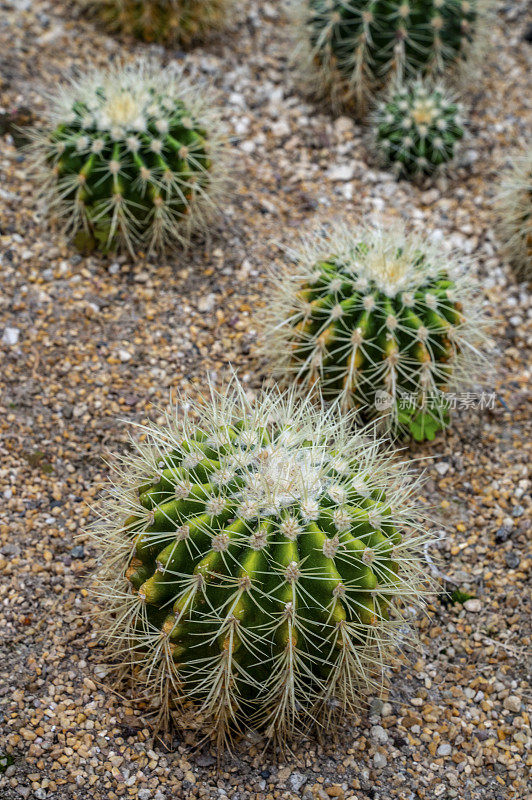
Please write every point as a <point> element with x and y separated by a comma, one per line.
<point>515,213</point>
<point>382,321</point>
<point>163,21</point>
<point>255,562</point>
<point>351,49</point>
<point>132,158</point>
<point>417,129</point>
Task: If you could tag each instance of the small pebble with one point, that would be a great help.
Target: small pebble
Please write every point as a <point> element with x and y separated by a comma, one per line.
<point>512,703</point>
<point>474,605</point>
<point>512,559</point>
<point>444,749</point>
<point>379,761</point>
<point>296,781</point>
<point>10,336</point>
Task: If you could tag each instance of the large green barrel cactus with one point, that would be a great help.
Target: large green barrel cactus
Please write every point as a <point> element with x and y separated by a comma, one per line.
<point>384,322</point>
<point>132,158</point>
<point>256,557</point>
<point>353,48</point>
<point>416,129</point>
<point>164,21</point>
<point>515,213</point>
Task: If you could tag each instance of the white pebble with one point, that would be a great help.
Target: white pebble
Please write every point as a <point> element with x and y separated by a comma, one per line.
<point>378,734</point>
<point>10,336</point>
<point>341,172</point>
<point>512,703</point>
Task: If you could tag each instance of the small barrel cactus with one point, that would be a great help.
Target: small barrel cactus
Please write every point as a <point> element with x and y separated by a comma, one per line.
<point>164,21</point>
<point>255,559</point>
<point>417,128</point>
<point>133,158</point>
<point>380,320</point>
<point>353,48</point>
<point>515,213</point>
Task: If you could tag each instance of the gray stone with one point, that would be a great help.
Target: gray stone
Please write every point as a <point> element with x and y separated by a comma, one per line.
<point>441,467</point>
<point>378,734</point>
<point>296,781</point>
<point>444,749</point>
<point>375,707</point>
<point>502,534</point>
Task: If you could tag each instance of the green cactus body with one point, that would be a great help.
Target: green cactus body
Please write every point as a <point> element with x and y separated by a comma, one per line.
<point>265,558</point>
<point>378,321</point>
<point>416,129</point>
<point>358,46</point>
<point>515,213</point>
<point>133,161</point>
<point>164,21</point>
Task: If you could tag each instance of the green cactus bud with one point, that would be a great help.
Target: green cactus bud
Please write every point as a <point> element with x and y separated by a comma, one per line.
<point>515,213</point>
<point>163,21</point>
<point>351,49</point>
<point>382,321</point>
<point>132,158</point>
<point>255,562</point>
<point>416,129</point>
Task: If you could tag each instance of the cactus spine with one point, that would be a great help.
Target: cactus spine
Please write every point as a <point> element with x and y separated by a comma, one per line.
<point>133,158</point>
<point>381,320</point>
<point>515,213</point>
<point>354,48</point>
<point>255,562</point>
<point>416,129</point>
<point>164,21</point>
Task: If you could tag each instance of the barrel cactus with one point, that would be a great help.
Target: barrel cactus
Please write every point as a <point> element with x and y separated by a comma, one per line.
<point>255,557</point>
<point>164,21</point>
<point>417,128</point>
<point>382,321</point>
<point>132,158</point>
<point>352,48</point>
<point>515,213</point>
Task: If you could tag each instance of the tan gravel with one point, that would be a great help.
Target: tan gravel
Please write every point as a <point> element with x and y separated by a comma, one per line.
<point>87,342</point>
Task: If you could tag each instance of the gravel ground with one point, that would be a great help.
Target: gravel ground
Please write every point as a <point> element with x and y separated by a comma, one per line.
<point>88,342</point>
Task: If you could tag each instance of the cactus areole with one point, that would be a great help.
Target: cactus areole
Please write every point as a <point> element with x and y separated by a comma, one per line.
<point>259,567</point>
